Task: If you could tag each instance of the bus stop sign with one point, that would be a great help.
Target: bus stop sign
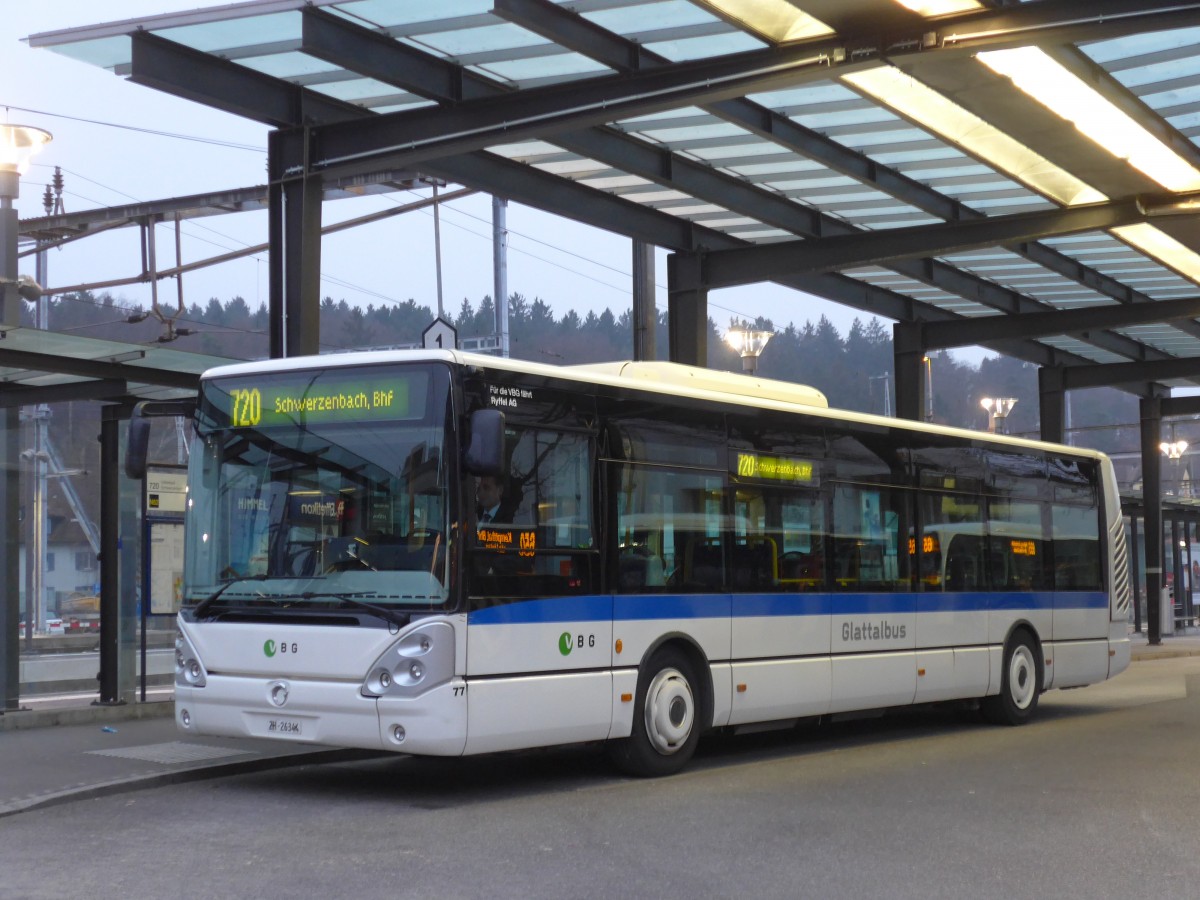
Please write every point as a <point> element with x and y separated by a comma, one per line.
<point>440,335</point>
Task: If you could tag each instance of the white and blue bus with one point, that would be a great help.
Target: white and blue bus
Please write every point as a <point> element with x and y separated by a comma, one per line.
<point>680,551</point>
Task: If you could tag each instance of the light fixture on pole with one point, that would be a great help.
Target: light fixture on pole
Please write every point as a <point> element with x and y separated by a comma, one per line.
<point>998,409</point>
<point>749,344</point>
<point>18,145</point>
<point>1173,449</point>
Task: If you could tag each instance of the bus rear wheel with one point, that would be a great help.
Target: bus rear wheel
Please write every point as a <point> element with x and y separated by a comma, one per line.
<point>666,723</point>
<point>1020,683</point>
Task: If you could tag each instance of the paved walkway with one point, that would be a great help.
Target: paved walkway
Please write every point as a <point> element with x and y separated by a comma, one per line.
<point>53,756</point>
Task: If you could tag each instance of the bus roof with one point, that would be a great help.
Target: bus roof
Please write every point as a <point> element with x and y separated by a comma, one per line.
<point>653,377</point>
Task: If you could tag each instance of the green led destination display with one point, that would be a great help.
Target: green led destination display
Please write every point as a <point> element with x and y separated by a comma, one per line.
<point>775,468</point>
<point>309,398</point>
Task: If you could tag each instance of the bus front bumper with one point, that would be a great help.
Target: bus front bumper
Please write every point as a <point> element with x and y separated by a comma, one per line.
<point>325,712</point>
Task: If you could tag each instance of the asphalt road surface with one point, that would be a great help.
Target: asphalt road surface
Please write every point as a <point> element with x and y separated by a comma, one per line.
<point>1098,798</point>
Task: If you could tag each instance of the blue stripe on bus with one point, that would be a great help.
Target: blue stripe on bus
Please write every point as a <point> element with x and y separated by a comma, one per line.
<point>599,608</point>
<point>672,606</point>
<point>553,609</point>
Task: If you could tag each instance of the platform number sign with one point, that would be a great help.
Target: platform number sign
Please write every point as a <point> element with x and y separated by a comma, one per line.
<point>440,335</point>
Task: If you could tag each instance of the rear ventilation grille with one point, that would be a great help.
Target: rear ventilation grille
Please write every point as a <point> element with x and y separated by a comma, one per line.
<point>1121,588</point>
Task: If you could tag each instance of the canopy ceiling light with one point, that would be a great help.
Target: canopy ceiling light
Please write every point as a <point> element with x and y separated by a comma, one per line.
<point>776,20</point>
<point>1066,95</point>
<point>932,8</point>
<point>932,110</point>
<point>935,112</point>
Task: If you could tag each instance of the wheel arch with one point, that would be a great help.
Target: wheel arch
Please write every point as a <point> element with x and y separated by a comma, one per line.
<point>1039,651</point>
<point>687,645</point>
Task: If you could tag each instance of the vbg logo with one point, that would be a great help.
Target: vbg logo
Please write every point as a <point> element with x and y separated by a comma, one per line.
<point>566,641</point>
<point>269,649</point>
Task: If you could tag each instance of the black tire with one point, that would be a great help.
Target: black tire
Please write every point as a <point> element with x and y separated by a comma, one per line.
<point>666,718</point>
<point>1020,683</point>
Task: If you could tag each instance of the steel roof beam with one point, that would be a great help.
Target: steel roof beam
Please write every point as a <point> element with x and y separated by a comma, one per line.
<point>21,395</point>
<point>1180,406</point>
<point>1121,374</point>
<point>968,332</point>
<point>727,268</point>
<point>94,368</point>
<point>203,78</point>
<point>410,137</point>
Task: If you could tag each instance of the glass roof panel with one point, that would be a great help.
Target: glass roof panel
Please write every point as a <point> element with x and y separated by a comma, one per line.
<point>559,67</point>
<point>1135,45</point>
<point>212,37</point>
<point>389,12</point>
<point>689,135</point>
<point>292,65</point>
<point>651,16</point>
<point>706,47</point>
<point>359,89</point>
<point>1158,72</point>
<point>463,42</point>
<point>106,52</point>
<point>798,165</point>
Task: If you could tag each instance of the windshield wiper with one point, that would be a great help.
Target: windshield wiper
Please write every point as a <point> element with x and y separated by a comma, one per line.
<point>201,607</point>
<point>351,599</point>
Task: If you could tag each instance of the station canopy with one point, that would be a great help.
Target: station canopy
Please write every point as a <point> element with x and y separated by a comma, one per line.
<point>921,160</point>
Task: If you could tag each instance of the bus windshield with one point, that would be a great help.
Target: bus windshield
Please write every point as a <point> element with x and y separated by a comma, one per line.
<point>315,486</point>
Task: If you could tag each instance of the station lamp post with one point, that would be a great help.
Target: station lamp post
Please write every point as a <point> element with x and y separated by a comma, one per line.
<point>18,144</point>
<point>749,344</point>
<point>1174,450</point>
<point>998,409</point>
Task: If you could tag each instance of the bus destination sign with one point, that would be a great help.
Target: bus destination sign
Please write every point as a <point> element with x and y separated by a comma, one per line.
<point>292,398</point>
<point>774,468</point>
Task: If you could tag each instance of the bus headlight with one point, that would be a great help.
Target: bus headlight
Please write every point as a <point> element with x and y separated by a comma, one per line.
<point>420,660</point>
<point>189,671</point>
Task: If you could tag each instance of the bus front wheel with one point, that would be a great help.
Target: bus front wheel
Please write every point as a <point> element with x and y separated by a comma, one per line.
<point>1020,683</point>
<point>665,718</point>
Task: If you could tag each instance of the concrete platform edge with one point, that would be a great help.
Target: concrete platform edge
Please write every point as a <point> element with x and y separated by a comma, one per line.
<point>181,776</point>
<point>12,720</point>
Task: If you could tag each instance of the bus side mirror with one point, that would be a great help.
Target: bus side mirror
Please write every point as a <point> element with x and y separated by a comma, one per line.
<point>485,452</point>
<point>137,444</point>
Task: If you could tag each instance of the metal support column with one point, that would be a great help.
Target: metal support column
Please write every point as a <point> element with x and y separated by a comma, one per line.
<point>1177,572</point>
<point>10,456</point>
<point>500,270</point>
<point>645,314</point>
<point>110,559</point>
<point>294,235</point>
<point>908,352</point>
<point>1051,404</point>
<point>1134,574</point>
<point>1151,435</point>
<point>687,310</point>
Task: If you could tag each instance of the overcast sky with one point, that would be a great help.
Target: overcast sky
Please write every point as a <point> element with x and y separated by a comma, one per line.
<point>118,143</point>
